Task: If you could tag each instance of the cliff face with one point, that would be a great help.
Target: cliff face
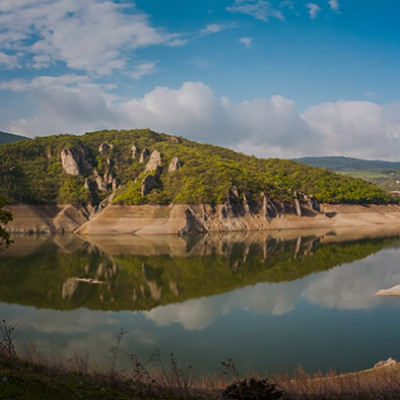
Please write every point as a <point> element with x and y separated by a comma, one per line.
<point>185,219</point>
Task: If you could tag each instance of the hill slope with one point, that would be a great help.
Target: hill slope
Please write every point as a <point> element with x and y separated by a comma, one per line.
<point>10,138</point>
<point>348,163</point>
<point>385,174</point>
<point>142,166</point>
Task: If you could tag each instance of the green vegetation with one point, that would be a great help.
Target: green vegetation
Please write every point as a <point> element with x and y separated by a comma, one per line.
<point>384,174</point>
<point>5,217</point>
<point>349,164</point>
<point>9,138</point>
<point>34,173</point>
<point>46,277</point>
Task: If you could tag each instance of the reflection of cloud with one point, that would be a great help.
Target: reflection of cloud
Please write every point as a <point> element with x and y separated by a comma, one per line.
<point>276,299</point>
<point>354,287</point>
<point>349,287</point>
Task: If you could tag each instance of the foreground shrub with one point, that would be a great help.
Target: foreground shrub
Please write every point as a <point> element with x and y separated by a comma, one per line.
<point>252,389</point>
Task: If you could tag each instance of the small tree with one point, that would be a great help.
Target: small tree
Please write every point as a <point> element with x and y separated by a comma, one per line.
<point>5,217</point>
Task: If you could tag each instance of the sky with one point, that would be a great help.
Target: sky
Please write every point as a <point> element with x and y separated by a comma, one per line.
<point>277,78</point>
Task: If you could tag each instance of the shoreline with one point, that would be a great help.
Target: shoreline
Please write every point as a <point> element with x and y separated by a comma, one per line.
<point>180,219</point>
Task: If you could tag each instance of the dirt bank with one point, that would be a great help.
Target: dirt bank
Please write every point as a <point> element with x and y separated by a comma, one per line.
<point>178,219</point>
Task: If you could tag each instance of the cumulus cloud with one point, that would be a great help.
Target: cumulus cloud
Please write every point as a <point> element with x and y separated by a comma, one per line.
<point>46,31</point>
<point>357,128</point>
<point>334,4</point>
<point>313,10</point>
<point>258,9</point>
<point>265,127</point>
<point>8,61</point>
<point>245,41</point>
<point>145,68</point>
<point>212,28</point>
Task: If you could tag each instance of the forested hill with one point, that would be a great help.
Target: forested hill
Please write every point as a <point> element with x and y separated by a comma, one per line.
<point>349,164</point>
<point>9,137</point>
<point>142,166</point>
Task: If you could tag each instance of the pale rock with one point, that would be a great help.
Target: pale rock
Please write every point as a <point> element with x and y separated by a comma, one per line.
<point>134,151</point>
<point>143,155</point>
<point>269,209</point>
<point>101,185</point>
<point>174,165</point>
<point>154,162</point>
<point>70,163</point>
<point>104,147</point>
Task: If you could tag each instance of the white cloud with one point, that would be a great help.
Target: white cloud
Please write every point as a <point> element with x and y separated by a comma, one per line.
<point>334,4</point>
<point>146,68</point>
<point>266,127</point>
<point>90,35</point>
<point>246,41</point>
<point>357,128</point>
<point>258,9</point>
<point>212,28</point>
<point>7,61</point>
<point>313,10</point>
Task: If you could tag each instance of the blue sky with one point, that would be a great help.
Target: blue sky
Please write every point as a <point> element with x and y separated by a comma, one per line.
<point>272,78</point>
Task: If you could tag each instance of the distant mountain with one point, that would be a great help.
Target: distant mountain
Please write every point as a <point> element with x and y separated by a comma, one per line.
<point>348,163</point>
<point>9,138</point>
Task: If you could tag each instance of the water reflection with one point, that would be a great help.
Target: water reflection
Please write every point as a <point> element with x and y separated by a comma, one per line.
<point>134,273</point>
<point>208,298</point>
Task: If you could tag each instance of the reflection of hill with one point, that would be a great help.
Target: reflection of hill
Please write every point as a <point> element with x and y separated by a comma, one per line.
<point>66,272</point>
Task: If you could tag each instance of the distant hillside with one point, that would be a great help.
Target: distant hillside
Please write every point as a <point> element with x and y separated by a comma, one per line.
<point>10,138</point>
<point>348,164</point>
<point>142,166</point>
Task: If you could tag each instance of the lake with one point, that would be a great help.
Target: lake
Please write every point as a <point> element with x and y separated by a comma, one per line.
<point>269,301</point>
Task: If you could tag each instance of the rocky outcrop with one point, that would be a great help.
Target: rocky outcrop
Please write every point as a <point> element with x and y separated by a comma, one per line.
<point>70,163</point>
<point>74,160</point>
<point>154,162</point>
<point>232,204</point>
<point>269,209</point>
<point>193,223</point>
<point>134,151</point>
<point>101,185</point>
<point>312,203</point>
<point>297,207</point>
<point>148,184</point>
<point>104,148</point>
<point>174,165</point>
<point>143,155</point>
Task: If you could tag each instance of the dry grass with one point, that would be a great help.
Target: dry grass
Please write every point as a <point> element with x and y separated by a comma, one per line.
<point>36,377</point>
<point>374,384</point>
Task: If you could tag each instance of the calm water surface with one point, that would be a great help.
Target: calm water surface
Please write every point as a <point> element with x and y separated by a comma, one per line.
<point>270,303</point>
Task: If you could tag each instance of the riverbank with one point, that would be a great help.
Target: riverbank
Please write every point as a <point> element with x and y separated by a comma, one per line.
<point>33,380</point>
<point>182,219</point>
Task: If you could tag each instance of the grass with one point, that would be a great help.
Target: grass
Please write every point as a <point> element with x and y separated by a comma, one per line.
<point>35,378</point>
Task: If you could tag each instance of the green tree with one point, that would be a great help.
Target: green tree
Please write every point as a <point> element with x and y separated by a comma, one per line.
<point>5,217</point>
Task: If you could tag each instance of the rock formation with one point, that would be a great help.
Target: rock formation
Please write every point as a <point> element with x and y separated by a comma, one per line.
<point>148,184</point>
<point>134,151</point>
<point>246,204</point>
<point>174,165</point>
<point>101,185</point>
<point>312,203</point>
<point>143,155</point>
<point>154,162</point>
<point>269,209</point>
<point>104,147</point>
<point>74,160</point>
<point>297,207</point>
<point>70,163</point>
